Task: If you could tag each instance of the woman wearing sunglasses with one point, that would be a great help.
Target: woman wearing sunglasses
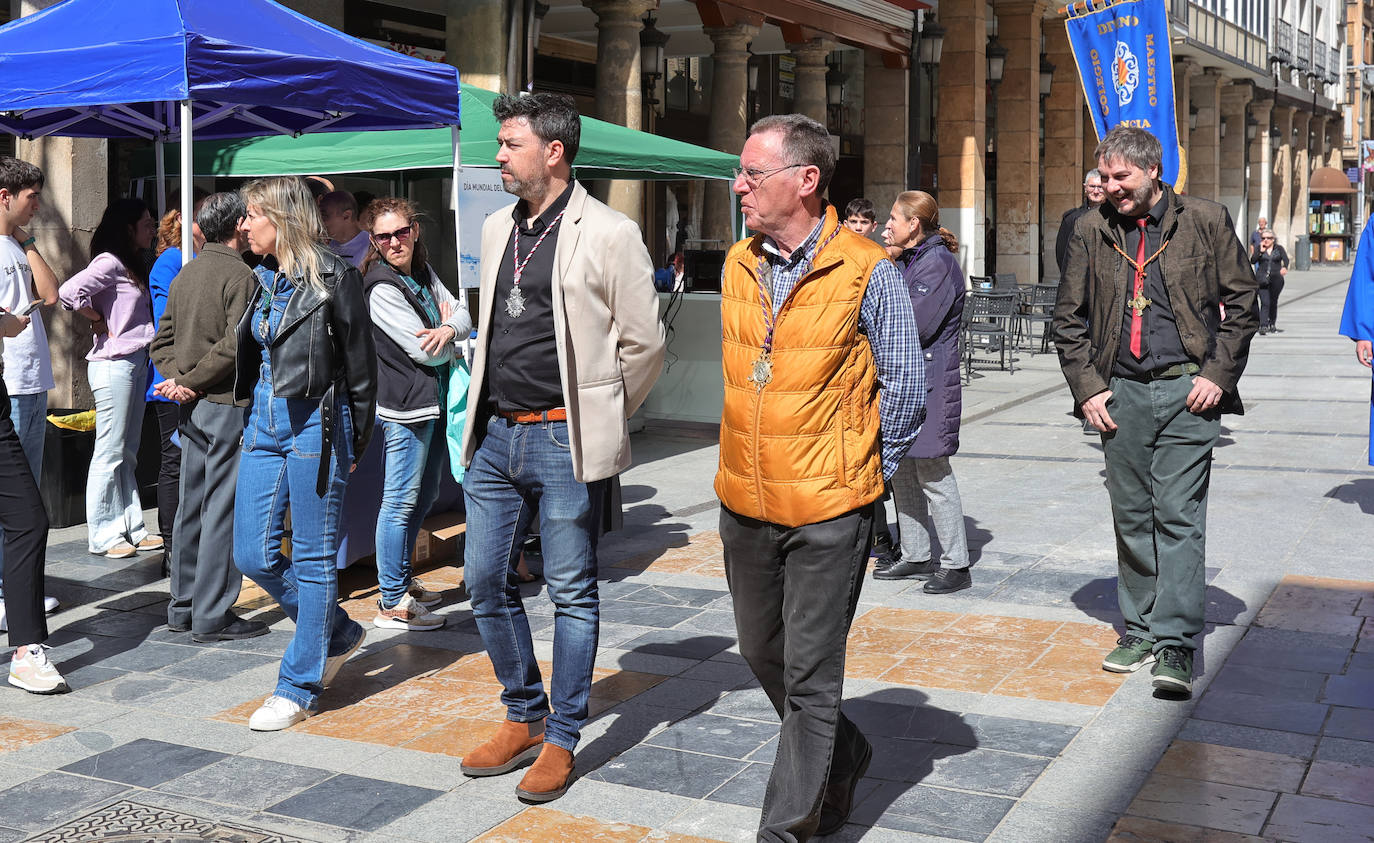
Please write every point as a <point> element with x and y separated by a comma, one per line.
<point>307,361</point>
<point>1271,265</point>
<point>416,322</point>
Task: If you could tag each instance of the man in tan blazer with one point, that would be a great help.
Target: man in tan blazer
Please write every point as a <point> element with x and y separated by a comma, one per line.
<point>568,346</point>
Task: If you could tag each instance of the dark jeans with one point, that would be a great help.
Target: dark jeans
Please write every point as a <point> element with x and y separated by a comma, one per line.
<point>168,468</point>
<point>1159,467</point>
<point>25,526</point>
<point>205,582</point>
<point>1269,302</point>
<point>794,590</point>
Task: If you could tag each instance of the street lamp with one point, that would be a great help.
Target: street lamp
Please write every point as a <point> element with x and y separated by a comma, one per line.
<point>651,43</point>
<point>932,43</point>
<point>1046,76</point>
<point>834,85</point>
<point>997,60</point>
<point>1251,127</point>
<point>1222,128</point>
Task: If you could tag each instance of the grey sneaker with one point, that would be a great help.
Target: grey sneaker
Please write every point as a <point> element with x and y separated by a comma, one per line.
<point>1131,654</point>
<point>1174,671</point>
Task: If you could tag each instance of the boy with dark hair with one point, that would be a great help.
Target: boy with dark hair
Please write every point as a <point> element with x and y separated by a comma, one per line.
<point>860,217</point>
<point>24,276</point>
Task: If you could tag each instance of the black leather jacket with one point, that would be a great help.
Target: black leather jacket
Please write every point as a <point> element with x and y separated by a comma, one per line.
<point>324,346</point>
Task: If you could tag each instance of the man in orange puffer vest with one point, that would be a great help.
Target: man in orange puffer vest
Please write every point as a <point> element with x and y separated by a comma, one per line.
<point>816,321</point>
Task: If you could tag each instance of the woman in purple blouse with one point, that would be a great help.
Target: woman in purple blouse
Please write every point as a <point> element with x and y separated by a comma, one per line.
<point>113,293</point>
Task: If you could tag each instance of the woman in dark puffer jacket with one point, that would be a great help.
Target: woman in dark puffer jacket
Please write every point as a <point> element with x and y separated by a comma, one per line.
<point>924,490</point>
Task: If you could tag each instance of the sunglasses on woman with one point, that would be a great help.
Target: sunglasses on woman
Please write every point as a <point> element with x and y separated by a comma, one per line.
<point>401,234</point>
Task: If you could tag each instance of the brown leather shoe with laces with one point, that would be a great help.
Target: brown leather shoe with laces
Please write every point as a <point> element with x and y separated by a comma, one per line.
<point>550,776</point>
<point>512,745</point>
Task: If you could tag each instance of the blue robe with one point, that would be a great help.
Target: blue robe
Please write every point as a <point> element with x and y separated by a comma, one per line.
<point>1357,320</point>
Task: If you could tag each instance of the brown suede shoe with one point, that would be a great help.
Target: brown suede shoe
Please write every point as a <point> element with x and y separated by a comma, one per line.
<point>550,776</point>
<point>512,745</point>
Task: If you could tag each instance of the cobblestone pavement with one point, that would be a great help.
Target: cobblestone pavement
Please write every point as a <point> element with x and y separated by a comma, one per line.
<point>992,717</point>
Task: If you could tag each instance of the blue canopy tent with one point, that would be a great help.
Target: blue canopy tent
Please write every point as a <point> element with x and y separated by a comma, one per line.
<point>170,69</point>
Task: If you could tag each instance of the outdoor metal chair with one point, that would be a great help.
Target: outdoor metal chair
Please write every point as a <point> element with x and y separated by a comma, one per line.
<point>1039,310</point>
<point>1002,281</point>
<point>989,329</point>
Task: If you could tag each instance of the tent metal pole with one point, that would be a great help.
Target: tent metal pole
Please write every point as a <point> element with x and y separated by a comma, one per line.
<point>456,194</point>
<point>161,177</point>
<point>186,176</point>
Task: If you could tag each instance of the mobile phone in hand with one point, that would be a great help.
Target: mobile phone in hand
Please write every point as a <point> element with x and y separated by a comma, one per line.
<point>29,308</point>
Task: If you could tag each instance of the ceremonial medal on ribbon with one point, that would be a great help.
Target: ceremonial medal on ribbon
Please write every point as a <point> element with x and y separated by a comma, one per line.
<point>515,302</point>
<point>763,370</point>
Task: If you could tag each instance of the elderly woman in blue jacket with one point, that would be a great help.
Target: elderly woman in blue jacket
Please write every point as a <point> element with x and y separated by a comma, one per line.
<point>924,490</point>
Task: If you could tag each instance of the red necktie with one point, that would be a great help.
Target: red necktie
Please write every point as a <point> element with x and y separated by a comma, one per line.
<point>1137,312</point>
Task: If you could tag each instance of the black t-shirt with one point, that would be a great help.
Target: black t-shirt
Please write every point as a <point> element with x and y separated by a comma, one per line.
<point>522,372</point>
<point>1160,345</point>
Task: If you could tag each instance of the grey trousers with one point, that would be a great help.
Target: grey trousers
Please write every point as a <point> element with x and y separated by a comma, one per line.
<point>1159,467</point>
<point>795,590</point>
<point>924,490</point>
<point>205,583</point>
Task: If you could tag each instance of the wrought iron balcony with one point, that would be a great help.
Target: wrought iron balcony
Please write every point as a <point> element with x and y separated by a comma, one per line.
<point>1283,40</point>
<point>1303,59</point>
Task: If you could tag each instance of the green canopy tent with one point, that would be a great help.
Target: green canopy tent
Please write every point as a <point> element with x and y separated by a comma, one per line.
<point>608,151</point>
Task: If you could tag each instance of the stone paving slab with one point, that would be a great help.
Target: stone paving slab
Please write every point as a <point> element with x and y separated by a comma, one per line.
<point>991,717</point>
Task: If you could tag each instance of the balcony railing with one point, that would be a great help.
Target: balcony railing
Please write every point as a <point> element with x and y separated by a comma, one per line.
<point>1227,38</point>
<point>1303,59</point>
<point>1283,40</point>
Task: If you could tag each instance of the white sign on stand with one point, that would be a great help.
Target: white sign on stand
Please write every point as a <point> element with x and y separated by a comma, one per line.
<point>480,196</point>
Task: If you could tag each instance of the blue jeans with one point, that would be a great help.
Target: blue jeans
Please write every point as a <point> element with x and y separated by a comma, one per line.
<point>414,458</point>
<point>516,468</point>
<point>282,449</point>
<point>29,414</point>
<point>113,511</point>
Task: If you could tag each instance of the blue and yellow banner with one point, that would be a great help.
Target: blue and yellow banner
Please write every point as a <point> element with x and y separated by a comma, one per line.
<point>1126,67</point>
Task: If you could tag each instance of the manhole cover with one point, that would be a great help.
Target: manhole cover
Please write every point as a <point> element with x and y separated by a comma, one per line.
<point>129,822</point>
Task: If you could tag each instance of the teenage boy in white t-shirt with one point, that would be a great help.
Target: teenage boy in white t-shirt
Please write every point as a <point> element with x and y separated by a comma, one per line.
<point>24,278</point>
<point>24,275</point>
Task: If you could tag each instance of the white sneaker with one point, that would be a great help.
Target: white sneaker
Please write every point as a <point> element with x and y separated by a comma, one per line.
<point>407,614</point>
<point>50,605</point>
<point>31,670</point>
<point>333,663</point>
<point>276,714</point>
<point>423,596</point>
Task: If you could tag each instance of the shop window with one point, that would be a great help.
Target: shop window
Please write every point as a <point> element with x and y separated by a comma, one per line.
<point>688,85</point>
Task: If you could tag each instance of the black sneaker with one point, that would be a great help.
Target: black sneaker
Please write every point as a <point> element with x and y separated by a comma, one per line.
<point>236,630</point>
<point>948,580</point>
<point>882,545</point>
<point>1173,671</point>
<point>906,570</point>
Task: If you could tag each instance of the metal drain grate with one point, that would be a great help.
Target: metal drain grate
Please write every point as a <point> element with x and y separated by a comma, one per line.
<point>129,822</point>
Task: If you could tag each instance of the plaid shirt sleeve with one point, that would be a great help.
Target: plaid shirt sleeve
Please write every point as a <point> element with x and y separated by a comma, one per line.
<point>886,316</point>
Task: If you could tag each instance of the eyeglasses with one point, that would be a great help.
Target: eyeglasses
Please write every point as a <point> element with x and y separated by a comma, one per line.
<point>1266,240</point>
<point>401,234</point>
<point>754,178</point>
<point>1092,187</point>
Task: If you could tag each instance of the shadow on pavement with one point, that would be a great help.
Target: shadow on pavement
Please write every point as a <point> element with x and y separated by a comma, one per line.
<point>1359,491</point>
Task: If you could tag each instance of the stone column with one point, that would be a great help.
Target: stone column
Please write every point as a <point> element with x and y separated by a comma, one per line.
<point>1018,141</point>
<point>961,127</point>
<point>810,73</point>
<point>729,124</point>
<point>619,97</point>
<point>1184,71</point>
<point>1261,161</point>
<point>1302,173</point>
<point>1231,185</point>
<point>1204,142</point>
<point>885,132</point>
<point>475,41</point>
<point>1335,139</point>
<point>1282,181</point>
<point>75,192</point>
<point>1064,164</point>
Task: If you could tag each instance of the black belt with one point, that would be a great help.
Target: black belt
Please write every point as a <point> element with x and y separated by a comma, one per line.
<point>1177,370</point>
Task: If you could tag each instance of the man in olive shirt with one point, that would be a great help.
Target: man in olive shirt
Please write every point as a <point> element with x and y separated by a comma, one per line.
<point>195,349</point>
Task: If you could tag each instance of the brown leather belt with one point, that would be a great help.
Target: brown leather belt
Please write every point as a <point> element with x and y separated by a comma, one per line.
<point>556,414</point>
